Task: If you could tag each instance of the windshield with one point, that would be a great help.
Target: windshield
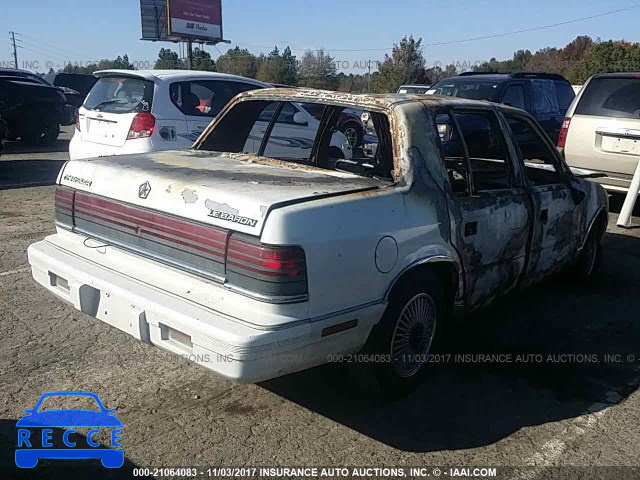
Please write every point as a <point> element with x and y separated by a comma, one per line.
<point>471,90</point>
<point>120,94</point>
<point>611,97</point>
<point>420,90</point>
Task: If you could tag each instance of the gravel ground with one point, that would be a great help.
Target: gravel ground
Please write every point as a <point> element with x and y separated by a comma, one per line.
<point>582,413</point>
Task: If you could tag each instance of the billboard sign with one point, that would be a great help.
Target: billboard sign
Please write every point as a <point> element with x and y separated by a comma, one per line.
<point>197,19</point>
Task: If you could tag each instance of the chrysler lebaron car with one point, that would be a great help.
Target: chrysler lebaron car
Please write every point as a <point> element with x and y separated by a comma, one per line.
<point>258,265</point>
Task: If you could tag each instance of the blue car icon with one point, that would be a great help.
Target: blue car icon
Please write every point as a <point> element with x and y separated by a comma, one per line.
<point>28,455</point>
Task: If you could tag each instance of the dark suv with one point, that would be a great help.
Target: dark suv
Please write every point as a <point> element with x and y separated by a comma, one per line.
<point>546,96</point>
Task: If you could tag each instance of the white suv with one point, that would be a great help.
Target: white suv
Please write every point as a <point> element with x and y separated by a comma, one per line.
<point>601,130</point>
<point>140,111</point>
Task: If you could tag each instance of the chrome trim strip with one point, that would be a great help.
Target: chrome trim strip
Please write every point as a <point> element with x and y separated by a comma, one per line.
<point>267,298</point>
<point>345,311</point>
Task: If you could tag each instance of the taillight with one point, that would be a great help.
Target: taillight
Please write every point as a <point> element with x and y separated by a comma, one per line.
<point>142,126</point>
<point>267,270</point>
<point>78,120</point>
<point>64,207</point>
<point>562,138</point>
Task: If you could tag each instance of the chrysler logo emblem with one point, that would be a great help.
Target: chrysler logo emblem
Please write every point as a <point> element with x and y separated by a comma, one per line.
<point>144,190</point>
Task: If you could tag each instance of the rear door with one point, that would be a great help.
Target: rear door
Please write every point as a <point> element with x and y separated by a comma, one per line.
<point>201,100</point>
<point>604,133</point>
<point>555,214</point>
<point>110,107</point>
<point>546,105</point>
<point>491,207</point>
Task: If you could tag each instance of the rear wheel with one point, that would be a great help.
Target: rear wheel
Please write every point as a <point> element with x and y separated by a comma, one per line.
<point>40,128</point>
<point>409,330</point>
<point>336,153</point>
<point>353,134</point>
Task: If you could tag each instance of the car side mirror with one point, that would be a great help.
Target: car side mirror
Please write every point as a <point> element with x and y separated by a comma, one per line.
<point>300,118</point>
<point>28,410</point>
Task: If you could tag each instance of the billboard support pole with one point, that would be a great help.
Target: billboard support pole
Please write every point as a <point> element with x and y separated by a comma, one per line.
<point>190,53</point>
<point>624,219</point>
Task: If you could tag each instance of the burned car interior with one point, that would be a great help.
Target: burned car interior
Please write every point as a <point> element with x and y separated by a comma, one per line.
<point>268,129</point>
<point>476,156</point>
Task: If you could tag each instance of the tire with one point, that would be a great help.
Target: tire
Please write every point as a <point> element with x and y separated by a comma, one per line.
<point>336,153</point>
<point>354,134</point>
<point>41,129</point>
<point>419,299</point>
<point>590,258</point>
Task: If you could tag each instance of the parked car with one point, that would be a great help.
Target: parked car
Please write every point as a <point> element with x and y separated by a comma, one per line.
<point>140,111</point>
<point>349,123</point>
<point>256,266</point>
<point>80,82</point>
<point>601,130</point>
<point>32,111</point>
<point>73,98</point>
<point>546,96</point>
<point>3,132</point>
<point>420,89</point>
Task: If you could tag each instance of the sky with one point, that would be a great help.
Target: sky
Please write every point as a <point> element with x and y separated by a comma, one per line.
<point>55,32</point>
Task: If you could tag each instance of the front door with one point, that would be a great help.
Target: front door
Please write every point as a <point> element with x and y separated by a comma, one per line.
<point>555,213</point>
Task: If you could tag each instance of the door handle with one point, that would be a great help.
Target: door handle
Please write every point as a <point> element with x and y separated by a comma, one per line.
<point>544,215</point>
<point>470,229</point>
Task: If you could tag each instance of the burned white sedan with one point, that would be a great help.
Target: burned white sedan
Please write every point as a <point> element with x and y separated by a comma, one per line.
<point>256,263</point>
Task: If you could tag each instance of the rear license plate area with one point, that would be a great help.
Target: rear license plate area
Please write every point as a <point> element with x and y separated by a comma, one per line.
<point>620,145</point>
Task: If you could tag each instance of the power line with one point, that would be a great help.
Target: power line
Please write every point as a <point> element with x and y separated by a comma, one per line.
<point>533,29</point>
<point>464,40</point>
<point>41,44</point>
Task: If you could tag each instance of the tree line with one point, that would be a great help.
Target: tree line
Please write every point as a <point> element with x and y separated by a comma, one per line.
<point>406,64</point>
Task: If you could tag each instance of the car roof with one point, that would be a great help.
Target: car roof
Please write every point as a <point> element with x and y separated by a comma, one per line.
<point>617,75</point>
<point>504,76</point>
<point>377,101</point>
<point>16,71</point>
<point>419,85</point>
<point>168,75</point>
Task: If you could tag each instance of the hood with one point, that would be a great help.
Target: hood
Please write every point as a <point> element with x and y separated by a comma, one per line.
<point>232,191</point>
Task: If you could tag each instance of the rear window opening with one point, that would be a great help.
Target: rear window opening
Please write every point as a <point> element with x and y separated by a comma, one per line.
<point>288,131</point>
<point>611,97</point>
<point>120,94</point>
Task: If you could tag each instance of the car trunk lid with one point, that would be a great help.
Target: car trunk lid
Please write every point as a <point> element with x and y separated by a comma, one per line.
<point>232,191</point>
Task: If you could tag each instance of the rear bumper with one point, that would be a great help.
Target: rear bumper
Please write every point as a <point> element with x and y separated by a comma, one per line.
<point>231,347</point>
<point>79,148</point>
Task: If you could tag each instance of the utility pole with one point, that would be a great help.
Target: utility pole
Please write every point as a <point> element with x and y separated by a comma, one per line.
<point>369,78</point>
<point>15,51</point>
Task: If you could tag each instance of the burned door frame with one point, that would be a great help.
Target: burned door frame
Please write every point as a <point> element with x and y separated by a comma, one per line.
<point>554,237</point>
<point>490,228</point>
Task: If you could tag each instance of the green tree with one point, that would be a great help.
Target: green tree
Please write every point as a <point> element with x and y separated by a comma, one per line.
<point>406,64</point>
<point>202,61</point>
<point>168,60</point>
<point>279,68</point>
<point>121,62</point>
<point>318,70</point>
<point>238,61</point>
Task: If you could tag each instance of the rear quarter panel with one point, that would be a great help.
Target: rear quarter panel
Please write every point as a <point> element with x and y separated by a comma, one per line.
<point>340,237</point>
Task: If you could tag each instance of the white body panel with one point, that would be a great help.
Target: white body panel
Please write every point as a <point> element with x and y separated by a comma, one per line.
<point>359,236</point>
